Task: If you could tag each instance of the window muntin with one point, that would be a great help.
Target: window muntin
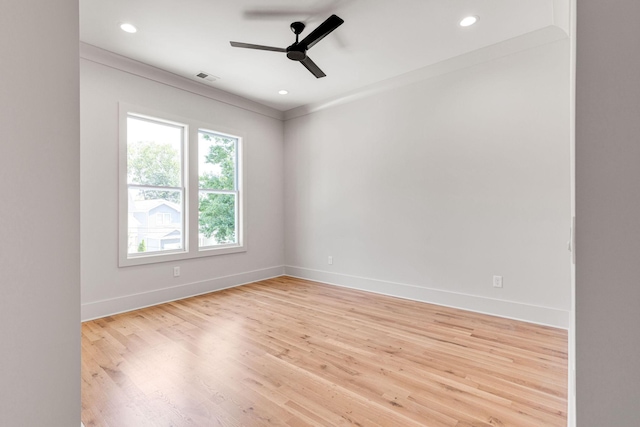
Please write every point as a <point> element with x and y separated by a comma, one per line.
<point>155,186</point>
<point>218,189</point>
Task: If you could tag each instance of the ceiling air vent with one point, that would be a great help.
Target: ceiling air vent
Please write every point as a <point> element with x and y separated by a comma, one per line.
<point>207,77</point>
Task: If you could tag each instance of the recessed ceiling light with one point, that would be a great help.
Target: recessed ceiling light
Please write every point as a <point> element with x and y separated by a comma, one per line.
<point>283,92</point>
<point>468,21</point>
<point>129,28</point>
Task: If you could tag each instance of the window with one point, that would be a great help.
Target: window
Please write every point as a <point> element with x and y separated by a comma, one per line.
<point>218,190</point>
<point>180,188</point>
<point>163,218</point>
<point>154,185</point>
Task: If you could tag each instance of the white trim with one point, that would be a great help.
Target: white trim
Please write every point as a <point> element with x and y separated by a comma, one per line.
<point>549,34</point>
<point>526,41</point>
<point>506,309</point>
<point>546,35</point>
<point>104,57</point>
<point>108,307</point>
<point>495,307</point>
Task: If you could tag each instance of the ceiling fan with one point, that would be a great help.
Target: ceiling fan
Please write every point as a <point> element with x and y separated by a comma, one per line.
<point>298,50</point>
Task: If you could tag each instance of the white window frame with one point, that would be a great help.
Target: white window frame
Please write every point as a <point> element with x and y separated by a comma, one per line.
<point>190,190</point>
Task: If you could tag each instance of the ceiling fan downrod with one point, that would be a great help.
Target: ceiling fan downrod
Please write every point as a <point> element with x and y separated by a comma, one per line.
<point>296,52</point>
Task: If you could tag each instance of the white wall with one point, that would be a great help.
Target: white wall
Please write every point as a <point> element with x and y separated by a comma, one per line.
<point>608,213</point>
<point>107,289</point>
<point>39,171</point>
<point>428,190</point>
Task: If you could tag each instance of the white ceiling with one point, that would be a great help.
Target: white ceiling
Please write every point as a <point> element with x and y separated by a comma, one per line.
<point>379,40</point>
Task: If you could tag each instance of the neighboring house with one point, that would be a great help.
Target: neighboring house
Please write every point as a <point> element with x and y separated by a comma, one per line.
<point>157,222</point>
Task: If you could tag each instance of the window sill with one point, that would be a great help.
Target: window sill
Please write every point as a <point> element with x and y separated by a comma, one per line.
<point>179,256</point>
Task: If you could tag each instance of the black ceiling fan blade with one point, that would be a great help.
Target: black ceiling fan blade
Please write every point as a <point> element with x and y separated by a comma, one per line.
<point>311,66</point>
<point>323,30</point>
<point>257,46</point>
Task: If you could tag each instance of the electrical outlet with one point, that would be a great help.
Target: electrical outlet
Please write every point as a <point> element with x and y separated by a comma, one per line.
<point>176,271</point>
<point>330,260</point>
<point>497,281</point>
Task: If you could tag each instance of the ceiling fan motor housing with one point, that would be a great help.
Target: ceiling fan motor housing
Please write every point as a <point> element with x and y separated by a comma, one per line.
<point>296,52</point>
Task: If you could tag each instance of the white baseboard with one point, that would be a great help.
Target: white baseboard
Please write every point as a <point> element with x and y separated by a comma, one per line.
<point>508,309</point>
<point>108,307</point>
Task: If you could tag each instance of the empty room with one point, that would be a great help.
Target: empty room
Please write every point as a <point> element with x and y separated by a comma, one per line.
<point>381,235</point>
<point>434,172</point>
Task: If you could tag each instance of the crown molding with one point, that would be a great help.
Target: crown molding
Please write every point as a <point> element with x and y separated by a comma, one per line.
<point>543,36</point>
<point>104,57</point>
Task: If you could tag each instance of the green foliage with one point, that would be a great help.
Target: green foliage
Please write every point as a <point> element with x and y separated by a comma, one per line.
<point>150,163</point>
<point>142,247</point>
<point>221,154</point>
<point>217,211</point>
<point>217,217</point>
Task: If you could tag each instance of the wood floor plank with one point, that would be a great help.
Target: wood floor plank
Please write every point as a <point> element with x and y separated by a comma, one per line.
<point>291,352</point>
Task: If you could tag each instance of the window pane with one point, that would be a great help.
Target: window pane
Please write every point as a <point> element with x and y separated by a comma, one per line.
<point>216,161</point>
<point>153,153</point>
<point>217,219</point>
<point>154,221</point>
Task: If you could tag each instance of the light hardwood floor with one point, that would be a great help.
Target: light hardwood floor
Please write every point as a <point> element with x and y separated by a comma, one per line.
<point>290,352</point>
